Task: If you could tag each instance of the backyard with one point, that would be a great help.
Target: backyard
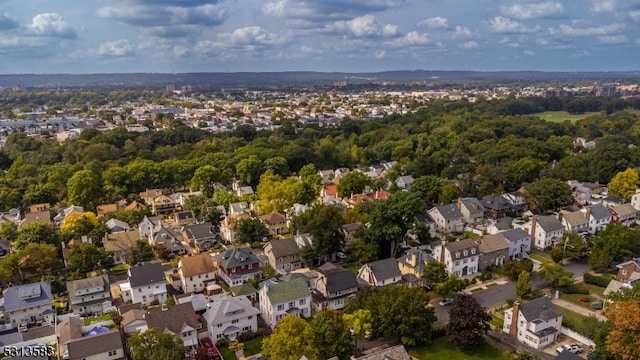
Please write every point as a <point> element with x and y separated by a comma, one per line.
<point>251,347</point>
<point>442,349</point>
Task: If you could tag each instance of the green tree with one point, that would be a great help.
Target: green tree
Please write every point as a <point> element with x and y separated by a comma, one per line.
<point>331,335</point>
<point>572,246</point>
<point>276,194</point>
<point>450,287</point>
<point>204,177</point>
<point>524,284</point>
<point>141,252</point>
<point>86,257</point>
<point>36,232</point>
<point>624,183</point>
<point>434,273</point>
<point>291,339</point>
<point>31,263</point>
<point>448,193</point>
<point>249,170</point>
<point>548,194</point>
<point>555,273</point>
<point>359,322</point>
<point>615,242</point>
<point>268,271</point>
<point>428,187</point>
<point>352,183</point>
<point>513,268</point>
<point>251,230</point>
<point>521,171</point>
<point>8,231</point>
<point>468,322</point>
<point>364,252</point>
<point>326,229</point>
<point>84,189</point>
<point>151,344</point>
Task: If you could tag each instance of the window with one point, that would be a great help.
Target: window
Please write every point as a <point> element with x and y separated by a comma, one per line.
<point>280,307</point>
<point>303,301</point>
<point>190,278</point>
<point>457,255</point>
<point>113,352</point>
<point>624,271</point>
<point>246,328</point>
<point>292,304</point>
<point>466,253</point>
<point>457,263</point>
<point>219,336</point>
<point>234,321</point>
<point>139,290</point>
<point>248,317</point>
<point>473,251</point>
<point>220,325</point>
<point>465,261</point>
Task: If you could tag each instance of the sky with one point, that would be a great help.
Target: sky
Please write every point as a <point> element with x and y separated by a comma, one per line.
<point>176,36</point>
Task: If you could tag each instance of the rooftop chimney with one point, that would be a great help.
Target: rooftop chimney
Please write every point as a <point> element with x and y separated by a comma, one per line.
<point>513,330</point>
<point>588,213</point>
<point>442,251</point>
<point>560,216</point>
<point>459,203</point>
<point>532,232</point>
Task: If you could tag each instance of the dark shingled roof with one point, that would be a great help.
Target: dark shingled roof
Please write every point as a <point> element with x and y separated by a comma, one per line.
<point>236,257</point>
<point>449,211</point>
<point>515,234</point>
<point>95,344</point>
<point>340,279</point>
<point>385,268</point>
<point>599,212</point>
<point>284,247</point>
<point>174,319</point>
<point>541,308</point>
<point>567,355</point>
<point>549,223</point>
<point>146,274</point>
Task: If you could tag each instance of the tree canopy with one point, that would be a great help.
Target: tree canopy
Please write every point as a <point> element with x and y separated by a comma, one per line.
<point>291,339</point>
<point>468,322</point>
<point>151,344</point>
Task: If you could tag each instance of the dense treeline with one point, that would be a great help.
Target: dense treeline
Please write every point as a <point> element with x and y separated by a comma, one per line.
<point>474,142</point>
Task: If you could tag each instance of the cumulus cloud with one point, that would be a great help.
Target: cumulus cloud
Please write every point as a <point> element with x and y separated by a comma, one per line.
<point>412,38</point>
<point>364,26</point>
<point>613,39</point>
<point>462,32</point>
<point>529,52</point>
<point>635,15</point>
<point>504,25</point>
<point>326,11</point>
<point>434,23</point>
<point>533,11</point>
<point>603,30</point>
<point>251,35</point>
<point>603,6</point>
<point>51,24</point>
<point>470,45</point>
<point>7,22</point>
<point>115,48</point>
<point>205,15</point>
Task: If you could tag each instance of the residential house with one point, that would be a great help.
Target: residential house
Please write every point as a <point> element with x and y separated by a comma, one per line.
<point>397,352</point>
<point>502,224</point>
<point>183,218</point>
<point>472,210</point>
<point>448,218</point>
<point>14,215</point>
<point>404,182</point>
<point>150,194</point>
<point>624,214</point>
<point>201,236</point>
<point>240,208</point>
<point>133,320</point>
<point>545,231</point>
<point>349,231</point>
<point>104,209</point>
<point>611,201</point>
<point>70,328</point>
<point>283,254</point>
<point>228,226</point>
<point>635,200</point>
<point>39,207</point>
<point>460,257</point>
<point>237,266</point>
<point>200,302</point>
<point>380,273</point>
<point>329,191</point>
<point>583,192</point>
<point>333,286</point>
<point>629,271</point>
<point>195,272</point>
<point>179,320</point>
<point>107,345</point>
<point>63,212</point>
<point>276,223</point>
<point>229,317</point>
<point>163,204</point>
<point>121,244</point>
<point>90,296</point>
<point>244,191</point>
<point>36,217</point>
<point>574,221</point>
<point>497,207</point>
<point>326,176</point>
<point>494,250</point>
<point>536,323</point>
<point>170,238</point>
<point>146,285</point>
<point>516,199</point>
<point>149,226</point>
<point>27,304</point>
<point>412,265</point>
<point>599,217</point>
<point>519,242</point>
<point>283,298</point>
<point>115,226</point>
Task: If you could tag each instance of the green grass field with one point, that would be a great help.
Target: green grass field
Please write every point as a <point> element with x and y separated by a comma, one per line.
<point>251,347</point>
<point>442,349</point>
<point>560,116</point>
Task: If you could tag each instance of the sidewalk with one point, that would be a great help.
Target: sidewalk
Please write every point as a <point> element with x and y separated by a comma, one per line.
<point>486,284</point>
<point>579,309</point>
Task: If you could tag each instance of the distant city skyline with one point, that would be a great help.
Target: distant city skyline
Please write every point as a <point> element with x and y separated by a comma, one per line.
<point>177,36</point>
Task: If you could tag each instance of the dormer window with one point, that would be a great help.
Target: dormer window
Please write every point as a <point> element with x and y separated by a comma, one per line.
<point>457,255</point>
<point>466,253</point>
<point>473,251</point>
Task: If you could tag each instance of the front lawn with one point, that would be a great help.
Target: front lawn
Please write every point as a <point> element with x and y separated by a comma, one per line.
<point>251,347</point>
<point>540,258</point>
<point>497,322</point>
<point>575,299</point>
<point>442,349</point>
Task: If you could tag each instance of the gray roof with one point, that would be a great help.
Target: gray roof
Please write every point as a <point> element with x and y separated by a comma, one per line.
<point>95,344</point>
<point>599,212</point>
<point>282,292</point>
<point>284,247</point>
<point>541,308</point>
<point>26,296</point>
<point>449,211</point>
<point>421,260</point>
<point>351,227</point>
<point>492,243</point>
<point>625,210</point>
<point>236,257</point>
<point>339,279</point>
<point>495,202</point>
<point>567,355</point>
<point>385,268</point>
<point>515,235</point>
<point>574,218</point>
<point>101,281</point>
<point>472,204</point>
<point>227,309</point>
<point>200,231</point>
<point>397,352</point>
<point>175,318</point>
<point>461,245</point>
<point>114,223</point>
<point>146,274</point>
<point>549,223</point>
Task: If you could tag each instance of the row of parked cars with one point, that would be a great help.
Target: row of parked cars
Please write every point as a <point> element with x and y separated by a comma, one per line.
<point>573,348</point>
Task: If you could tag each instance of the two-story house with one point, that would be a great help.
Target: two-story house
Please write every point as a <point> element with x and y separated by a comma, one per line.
<point>149,226</point>
<point>412,264</point>
<point>179,320</point>
<point>121,244</point>
<point>381,272</point>
<point>278,299</point>
<point>599,217</point>
<point>498,207</point>
<point>629,271</point>
<point>624,214</point>
<point>333,286</point>
<point>545,231</point>
<point>170,239</point>
<point>237,266</point>
<point>163,204</point>
<point>116,226</point>
<point>230,316</point>
<point>635,200</point>
<point>472,210</point>
<point>405,182</point>
<point>459,257</point>
<point>494,250</point>
<point>283,255</point>
<point>27,304</point>
<point>448,218</point>
<point>574,221</point>
<point>196,271</point>
<point>146,285</point>
<point>536,323</point>
<point>519,242</point>
<point>183,218</point>
<point>276,223</point>
<point>201,236</point>
<point>90,296</point>
<point>108,345</point>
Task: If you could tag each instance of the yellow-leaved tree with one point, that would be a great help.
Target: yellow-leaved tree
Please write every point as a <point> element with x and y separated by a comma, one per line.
<point>624,336</point>
<point>291,339</point>
<point>624,183</point>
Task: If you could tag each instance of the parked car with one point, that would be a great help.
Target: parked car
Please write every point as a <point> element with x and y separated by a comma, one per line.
<point>206,342</point>
<point>565,347</point>
<point>598,304</point>
<point>576,349</point>
<point>445,302</point>
<point>342,255</point>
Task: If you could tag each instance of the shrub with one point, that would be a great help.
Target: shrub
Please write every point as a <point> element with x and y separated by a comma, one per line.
<point>247,335</point>
<point>222,343</point>
<point>601,281</point>
<point>510,302</point>
<point>260,332</point>
<point>474,281</point>
<point>575,289</point>
<point>438,332</point>
<point>584,299</point>
<point>488,276</point>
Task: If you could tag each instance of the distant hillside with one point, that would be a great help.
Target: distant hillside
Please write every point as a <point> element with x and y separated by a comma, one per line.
<point>302,78</point>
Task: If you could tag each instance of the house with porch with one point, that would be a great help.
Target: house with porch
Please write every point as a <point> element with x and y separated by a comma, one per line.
<point>282,298</point>
<point>90,296</point>
<point>459,257</point>
<point>196,270</point>
<point>536,323</point>
<point>276,223</point>
<point>333,286</point>
<point>229,317</point>
<point>237,265</point>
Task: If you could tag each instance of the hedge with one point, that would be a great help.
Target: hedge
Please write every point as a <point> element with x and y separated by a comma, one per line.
<point>575,289</point>
<point>601,281</point>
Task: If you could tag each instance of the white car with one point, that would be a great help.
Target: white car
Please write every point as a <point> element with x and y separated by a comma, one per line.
<point>563,348</point>
<point>445,302</point>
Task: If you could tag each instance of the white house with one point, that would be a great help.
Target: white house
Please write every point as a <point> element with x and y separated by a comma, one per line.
<point>381,273</point>
<point>536,323</point>
<point>459,257</point>
<point>545,231</point>
<point>146,285</point>
<point>27,304</point>
<point>279,299</point>
<point>599,217</point>
<point>519,242</point>
<point>448,218</point>
<point>90,295</point>
<point>230,317</point>
<point>195,271</point>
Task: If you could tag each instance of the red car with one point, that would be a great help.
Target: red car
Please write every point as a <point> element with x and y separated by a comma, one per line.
<point>206,342</point>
